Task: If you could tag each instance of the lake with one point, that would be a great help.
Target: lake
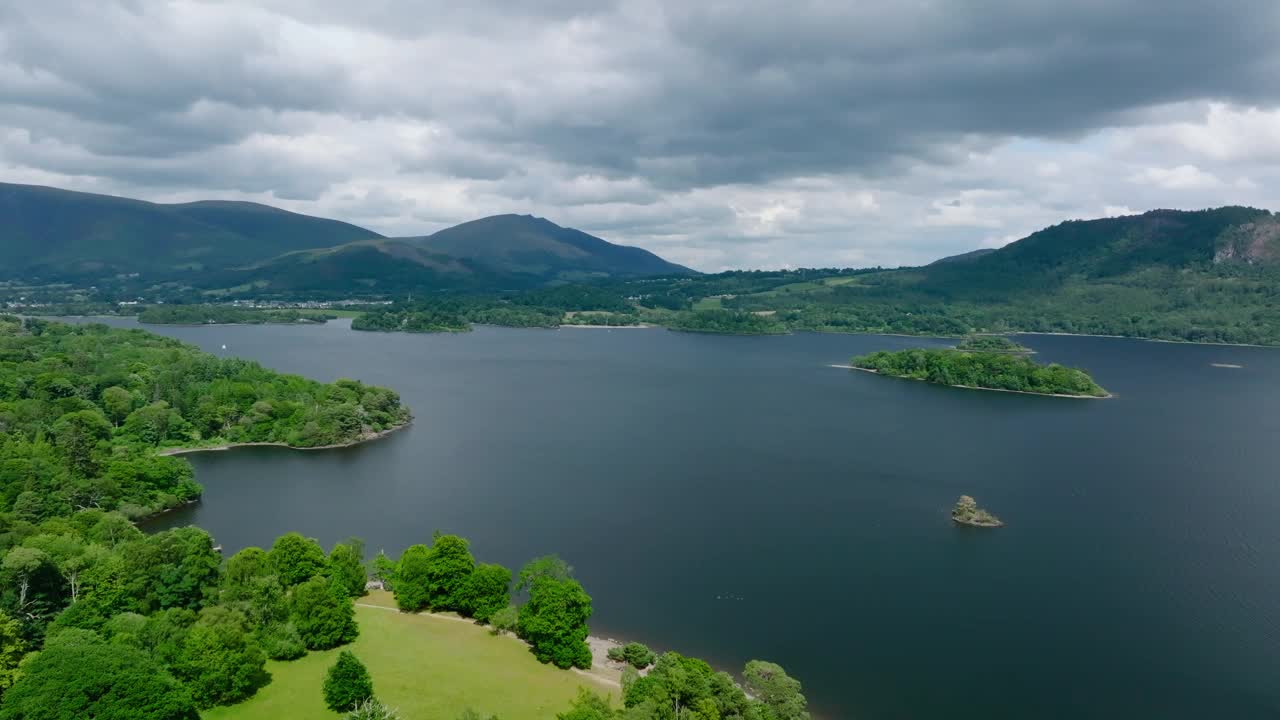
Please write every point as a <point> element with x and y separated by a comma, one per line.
<point>735,498</point>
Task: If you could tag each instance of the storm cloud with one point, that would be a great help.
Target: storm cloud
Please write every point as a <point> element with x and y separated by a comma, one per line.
<point>719,134</point>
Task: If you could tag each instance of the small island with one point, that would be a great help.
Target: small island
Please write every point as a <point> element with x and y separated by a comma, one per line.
<point>999,371</point>
<point>992,343</point>
<point>967,512</point>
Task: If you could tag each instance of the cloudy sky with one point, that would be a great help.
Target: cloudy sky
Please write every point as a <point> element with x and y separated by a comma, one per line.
<point>764,133</point>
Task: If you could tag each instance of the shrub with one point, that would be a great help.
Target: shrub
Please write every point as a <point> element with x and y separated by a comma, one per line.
<point>347,684</point>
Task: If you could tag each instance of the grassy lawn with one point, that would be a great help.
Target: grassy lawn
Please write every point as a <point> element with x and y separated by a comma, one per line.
<point>708,304</point>
<point>428,667</point>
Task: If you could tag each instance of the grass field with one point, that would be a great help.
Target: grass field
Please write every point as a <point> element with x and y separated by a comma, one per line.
<point>428,667</point>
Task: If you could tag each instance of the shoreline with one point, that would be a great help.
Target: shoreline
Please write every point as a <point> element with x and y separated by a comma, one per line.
<point>974,387</point>
<point>168,452</point>
<point>640,326</point>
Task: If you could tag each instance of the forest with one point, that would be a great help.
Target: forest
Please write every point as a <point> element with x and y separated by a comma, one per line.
<point>85,408</point>
<point>227,314</point>
<point>988,370</point>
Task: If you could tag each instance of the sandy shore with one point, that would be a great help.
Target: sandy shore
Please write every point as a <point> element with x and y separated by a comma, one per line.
<point>231,446</point>
<point>972,387</point>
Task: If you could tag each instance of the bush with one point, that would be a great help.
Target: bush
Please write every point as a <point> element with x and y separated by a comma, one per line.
<point>282,642</point>
<point>638,655</point>
<point>505,620</point>
<point>616,654</point>
<point>347,684</point>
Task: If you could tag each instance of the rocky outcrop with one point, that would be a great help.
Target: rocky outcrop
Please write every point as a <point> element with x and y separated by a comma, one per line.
<point>1251,243</point>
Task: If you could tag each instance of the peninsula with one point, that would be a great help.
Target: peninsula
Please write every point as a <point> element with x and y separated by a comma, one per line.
<point>1000,371</point>
<point>967,512</point>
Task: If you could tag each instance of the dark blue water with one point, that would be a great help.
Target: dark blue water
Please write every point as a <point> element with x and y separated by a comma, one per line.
<point>1138,575</point>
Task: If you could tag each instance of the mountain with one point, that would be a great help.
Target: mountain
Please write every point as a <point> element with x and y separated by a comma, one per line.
<point>964,257</point>
<point>1205,275</point>
<point>381,266</point>
<point>524,245</point>
<point>49,232</point>
<point>55,235</point>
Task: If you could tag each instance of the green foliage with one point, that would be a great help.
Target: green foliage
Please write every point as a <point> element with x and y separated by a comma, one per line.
<point>779,692</point>
<point>296,558</point>
<point>226,314</point>
<point>347,685</point>
<point>411,579</point>
<point>638,655</point>
<point>220,661</point>
<point>587,706</point>
<point>554,622</point>
<point>347,567</point>
<point>282,641</point>
<point>731,322</point>
<point>13,647</point>
<point>1001,371</point>
<point>485,592</point>
<point>547,566</point>
<point>991,343</point>
<point>505,620</point>
<point>323,614</point>
<point>85,677</point>
<point>84,407</point>
<point>449,565</point>
<point>383,569</point>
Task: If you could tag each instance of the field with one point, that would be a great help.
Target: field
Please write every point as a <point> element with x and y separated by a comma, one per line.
<point>428,667</point>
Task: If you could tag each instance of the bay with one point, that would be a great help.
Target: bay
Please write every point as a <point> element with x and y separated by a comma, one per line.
<point>735,498</point>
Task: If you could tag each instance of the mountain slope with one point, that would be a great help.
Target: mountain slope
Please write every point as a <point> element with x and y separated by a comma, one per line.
<point>65,234</point>
<point>533,246</point>
<point>378,266</point>
<point>1207,275</point>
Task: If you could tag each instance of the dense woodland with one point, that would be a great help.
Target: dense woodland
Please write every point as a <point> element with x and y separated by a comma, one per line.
<point>991,370</point>
<point>991,343</point>
<point>226,314</point>
<point>84,409</point>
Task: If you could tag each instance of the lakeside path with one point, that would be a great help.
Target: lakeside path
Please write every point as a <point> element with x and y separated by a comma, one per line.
<point>603,671</point>
<point>974,387</point>
<point>368,438</point>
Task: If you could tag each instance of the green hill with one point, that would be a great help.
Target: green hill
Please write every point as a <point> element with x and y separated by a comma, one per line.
<point>523,245</point>
<point>60,234</point>
<point>1202,276</point>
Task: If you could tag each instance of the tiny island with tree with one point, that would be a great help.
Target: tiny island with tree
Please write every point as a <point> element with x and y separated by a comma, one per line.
<point>967,512</point>
<point>1001,371</point>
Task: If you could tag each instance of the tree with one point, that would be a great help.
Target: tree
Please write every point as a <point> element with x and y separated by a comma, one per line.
<point>83,677</point>
<point>587,706</point>
<point>323,614</point>
<point>12,650</point>
<point>173,568</point>
<point>347,683</point>
<point>411,579</point>
<point>118,403</point>
<point>219,661</point>
<point>554,622</point>
<point>505,620</point>
<point>383,569</point>
<point>638,655</point>
<point>779,692</point>
<point>296,558</point>
<point>348,569</point>
<point>19,566</point>
<point>449,564</point>
<point>485,592</point>
<point>78,434</point>
<point>547,566</point>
